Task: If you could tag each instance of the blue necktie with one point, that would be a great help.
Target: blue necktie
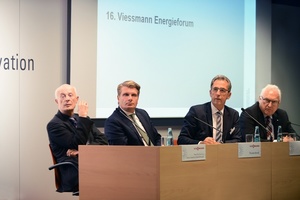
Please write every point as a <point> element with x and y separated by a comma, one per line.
<point>73,121</point>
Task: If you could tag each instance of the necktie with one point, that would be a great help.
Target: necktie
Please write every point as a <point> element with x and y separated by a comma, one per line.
<point>269,127</point>
<point>141,131</point>
<point>73,121</point>
<point>219,133</point>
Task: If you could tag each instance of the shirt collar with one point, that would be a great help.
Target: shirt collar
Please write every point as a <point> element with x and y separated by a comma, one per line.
<point>127,113</point>
<point>267,116</point>
<point>214,110</point>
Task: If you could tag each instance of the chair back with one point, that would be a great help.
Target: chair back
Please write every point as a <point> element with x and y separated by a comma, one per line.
<point>56,170</point>
<point>57,174</point>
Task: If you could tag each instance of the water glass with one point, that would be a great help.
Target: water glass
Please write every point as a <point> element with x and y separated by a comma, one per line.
<point>166,140</point>
<point>249,137</point>
<point>292,137</point>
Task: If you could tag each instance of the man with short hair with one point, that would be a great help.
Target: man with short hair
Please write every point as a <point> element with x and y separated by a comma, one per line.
<point>212,122</point>
<point>67,130</point>
<point>129,125</point>
<point>267,112</point>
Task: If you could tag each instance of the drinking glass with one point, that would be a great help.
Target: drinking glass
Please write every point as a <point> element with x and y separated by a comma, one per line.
<point>292,137</point>
<point>249,137</point>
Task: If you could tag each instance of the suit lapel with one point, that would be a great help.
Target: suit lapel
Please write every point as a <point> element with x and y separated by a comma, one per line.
<point>65,119</point>
<point>144,123</point>
<point>226,123</point>
<point>275,123</point>
<point>130,124</point>
<point>209,118</point>
<point>261,119</point>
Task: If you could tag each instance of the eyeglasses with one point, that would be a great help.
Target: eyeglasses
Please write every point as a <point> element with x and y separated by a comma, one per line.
<point>222,90</point>
<point>267,101</point>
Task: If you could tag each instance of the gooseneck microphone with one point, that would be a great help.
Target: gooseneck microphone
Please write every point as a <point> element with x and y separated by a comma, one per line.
<point>207,124</point>
<point>295,124</point>
<point>254,119</point>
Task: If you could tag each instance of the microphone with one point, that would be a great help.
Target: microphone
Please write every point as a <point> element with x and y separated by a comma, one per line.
<point>207,124</point>
<point>295,124</point>
<point>291,123</point>
<point>254,119</point>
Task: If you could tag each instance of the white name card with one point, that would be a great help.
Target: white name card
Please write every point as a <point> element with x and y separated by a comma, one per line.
<point>294,148</point>
<point>249,150</point>
<point>193,152</point>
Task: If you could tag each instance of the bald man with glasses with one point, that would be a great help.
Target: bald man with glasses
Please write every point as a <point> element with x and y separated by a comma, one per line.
<point>266,111</point>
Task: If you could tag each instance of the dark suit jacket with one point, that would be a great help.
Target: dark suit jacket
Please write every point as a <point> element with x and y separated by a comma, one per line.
<point>120,130</point>
<point>63,136</point>
<point>194,131</point>
<point>247,124</point>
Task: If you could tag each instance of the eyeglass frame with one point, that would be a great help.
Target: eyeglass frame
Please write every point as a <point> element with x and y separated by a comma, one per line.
<point>222,90</point>
<point>268,101</point>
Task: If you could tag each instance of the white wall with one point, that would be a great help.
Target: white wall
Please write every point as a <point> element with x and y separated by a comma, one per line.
<point>33,29</point>
<point>9,101</point>
<point>84,50</point>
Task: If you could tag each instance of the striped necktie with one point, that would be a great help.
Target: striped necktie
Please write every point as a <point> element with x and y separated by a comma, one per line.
<point>269,127</point>
<point>219,133</point>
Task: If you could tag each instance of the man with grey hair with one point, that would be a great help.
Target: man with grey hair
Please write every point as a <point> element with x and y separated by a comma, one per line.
<point>266,114</point>
<point>67,130</point>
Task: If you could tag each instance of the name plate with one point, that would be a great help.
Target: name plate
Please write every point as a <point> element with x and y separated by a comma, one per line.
<point>193,152</point>
<point>294,148</point>
<point>249,150</point>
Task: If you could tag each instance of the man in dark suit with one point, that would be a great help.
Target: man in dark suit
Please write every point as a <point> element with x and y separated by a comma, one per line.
<point>67,130</point>
<point>267,106</point>
<point>129,125</point>
<point>199,121</point>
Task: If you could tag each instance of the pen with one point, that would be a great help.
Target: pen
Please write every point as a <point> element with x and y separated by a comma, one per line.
<point>231,130</point>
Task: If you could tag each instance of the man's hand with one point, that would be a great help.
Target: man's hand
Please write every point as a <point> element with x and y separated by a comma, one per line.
<point>287,139</point>
<point>72,153</point>
<point>83,109</point>
<point>210,140</point>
